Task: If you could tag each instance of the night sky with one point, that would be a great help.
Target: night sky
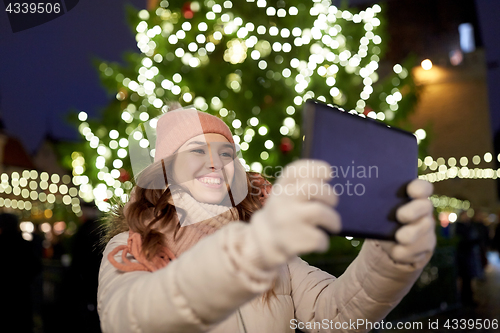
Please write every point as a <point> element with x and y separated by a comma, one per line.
<point>46,71</point>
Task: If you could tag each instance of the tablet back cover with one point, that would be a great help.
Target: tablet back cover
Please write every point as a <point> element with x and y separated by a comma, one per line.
<point>371,165</point>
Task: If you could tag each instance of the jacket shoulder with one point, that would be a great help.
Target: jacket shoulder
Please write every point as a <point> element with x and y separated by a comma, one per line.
<point>119,239</point>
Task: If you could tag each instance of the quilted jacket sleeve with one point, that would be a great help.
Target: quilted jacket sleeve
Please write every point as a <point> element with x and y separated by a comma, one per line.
<point>368,290</point>
<point>191,294</point>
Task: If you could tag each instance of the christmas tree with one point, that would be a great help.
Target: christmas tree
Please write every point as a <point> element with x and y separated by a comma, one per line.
<point>253,63</point>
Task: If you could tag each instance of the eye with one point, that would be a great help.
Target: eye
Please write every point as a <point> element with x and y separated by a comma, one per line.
<point>198,151</point>
<point>227,155</point>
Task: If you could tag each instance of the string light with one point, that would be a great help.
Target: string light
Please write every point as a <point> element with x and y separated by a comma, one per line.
<point>426,64</point>
<point>445,203</point>
<point>59,187</point>
<point>449,169</point>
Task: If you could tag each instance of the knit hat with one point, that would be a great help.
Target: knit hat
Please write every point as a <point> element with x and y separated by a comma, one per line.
<point>176,127</point>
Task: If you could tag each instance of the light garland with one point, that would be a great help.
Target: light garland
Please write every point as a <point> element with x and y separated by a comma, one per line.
<point>462,172</point>
<point>449,208</point>
<point>22,191</point>
<point>449,169</point>
<point>445,203</point>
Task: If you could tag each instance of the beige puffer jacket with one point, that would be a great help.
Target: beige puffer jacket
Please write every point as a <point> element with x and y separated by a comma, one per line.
<point>214,288</point>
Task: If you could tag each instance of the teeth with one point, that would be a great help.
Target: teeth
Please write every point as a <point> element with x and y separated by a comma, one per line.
<point>209,180</point>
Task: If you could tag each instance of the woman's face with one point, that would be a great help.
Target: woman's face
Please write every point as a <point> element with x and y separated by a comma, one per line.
<point>204,166</point>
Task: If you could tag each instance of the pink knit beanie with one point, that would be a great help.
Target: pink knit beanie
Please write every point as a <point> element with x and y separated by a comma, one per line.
<point>176,127</point>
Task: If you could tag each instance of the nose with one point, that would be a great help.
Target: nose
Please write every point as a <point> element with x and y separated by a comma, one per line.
<point>214,161</point>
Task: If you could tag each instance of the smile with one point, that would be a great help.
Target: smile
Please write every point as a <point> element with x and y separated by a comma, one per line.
<point>210,181</point>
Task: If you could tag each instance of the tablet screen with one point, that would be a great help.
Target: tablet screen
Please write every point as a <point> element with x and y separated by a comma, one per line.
<point>371,165</point>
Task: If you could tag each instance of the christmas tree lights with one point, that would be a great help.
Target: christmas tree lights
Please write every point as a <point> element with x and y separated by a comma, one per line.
<point>252,63</point>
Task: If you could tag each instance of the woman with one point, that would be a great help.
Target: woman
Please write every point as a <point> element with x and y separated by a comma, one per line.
<point>201,256</point>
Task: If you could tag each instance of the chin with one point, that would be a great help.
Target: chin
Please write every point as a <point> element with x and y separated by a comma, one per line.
<point>212,198</point>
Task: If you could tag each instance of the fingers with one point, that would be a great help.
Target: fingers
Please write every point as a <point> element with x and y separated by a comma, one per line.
<point>412,232</point>
<point>306,190</point>
<point>295,239</point>
<point>318,241</point>
<point>305,169</point>
<point>419,188</point>
<point>415,240</point>
<point>306,180</point>
<point>414,210</point>
<point>419,257</point>
<point>318,214</point>
<point>415,252</point>
<point>319,190</point>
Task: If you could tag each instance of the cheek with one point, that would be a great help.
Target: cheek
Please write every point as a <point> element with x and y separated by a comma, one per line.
<point>229,169</point>
<point>189,167</point>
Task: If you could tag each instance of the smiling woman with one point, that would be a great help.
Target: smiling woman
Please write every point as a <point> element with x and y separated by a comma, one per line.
<point>199,265</point>
<point>195,166</point>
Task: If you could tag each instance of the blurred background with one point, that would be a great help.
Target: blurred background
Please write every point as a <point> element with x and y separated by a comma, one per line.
<point>74,86</point>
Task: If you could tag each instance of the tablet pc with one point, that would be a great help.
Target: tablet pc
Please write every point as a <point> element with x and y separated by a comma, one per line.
<point>372,163</point>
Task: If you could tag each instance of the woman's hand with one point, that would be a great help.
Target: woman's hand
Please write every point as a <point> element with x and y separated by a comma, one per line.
<point>416,239</point>
<point>300,202</point>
